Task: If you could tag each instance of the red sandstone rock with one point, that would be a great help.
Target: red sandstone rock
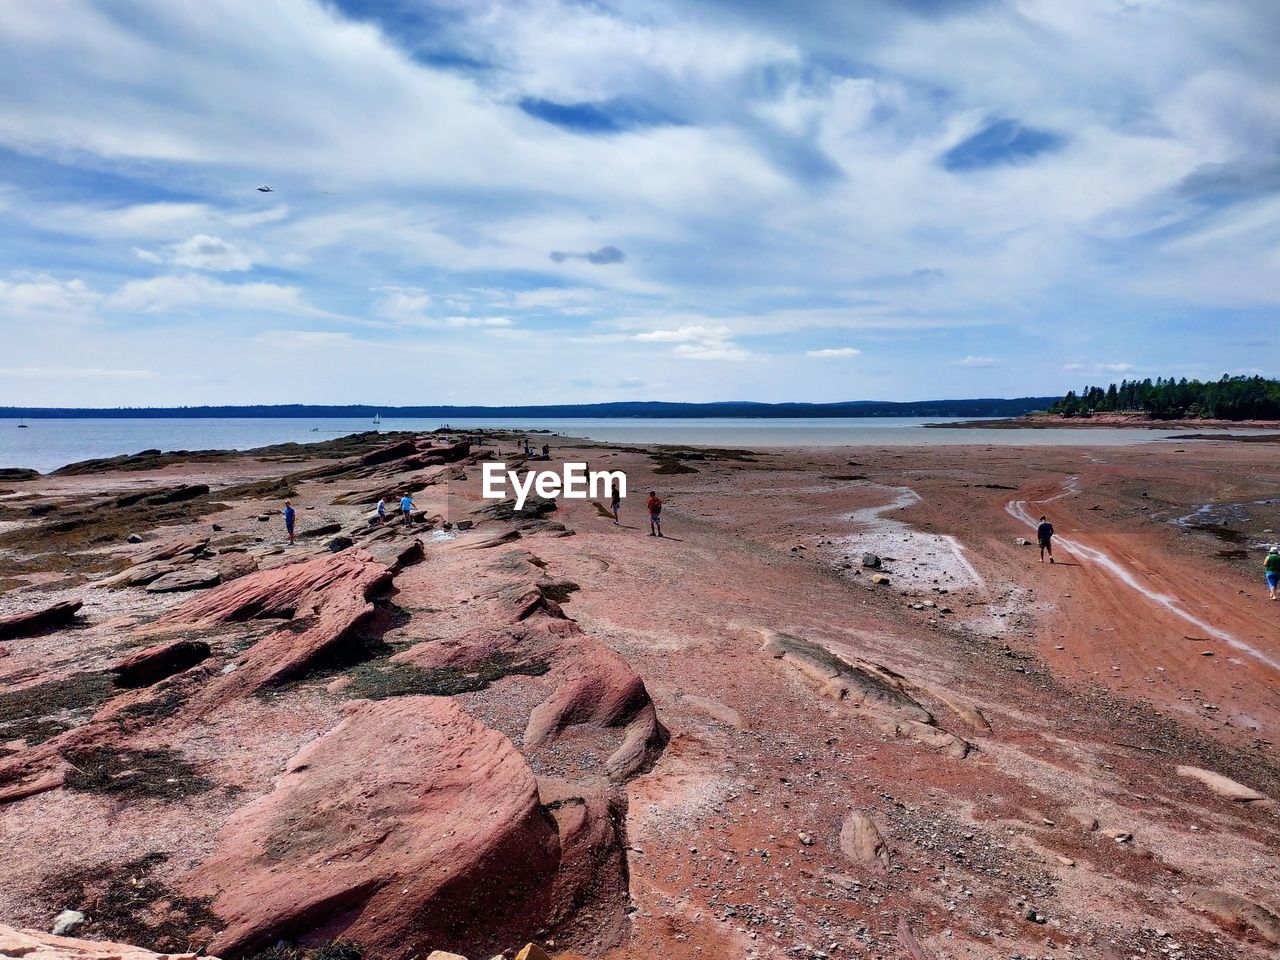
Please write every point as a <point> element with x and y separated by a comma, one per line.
<point>34,945</point>
<point>25,624</point>
<point>159,661</point>
<point>408,827</point>
<point>329,595</point>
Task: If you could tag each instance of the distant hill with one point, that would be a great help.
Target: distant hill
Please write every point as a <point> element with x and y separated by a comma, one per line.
<point>991,407</point>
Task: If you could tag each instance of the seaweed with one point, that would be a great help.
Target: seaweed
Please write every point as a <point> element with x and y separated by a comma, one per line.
<point>126,903</point>
<point>161,774</point>
<point>380,680</point>
<point>38,713</point>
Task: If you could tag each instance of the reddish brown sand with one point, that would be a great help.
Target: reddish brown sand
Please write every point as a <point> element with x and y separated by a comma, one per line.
<point>708,823</point>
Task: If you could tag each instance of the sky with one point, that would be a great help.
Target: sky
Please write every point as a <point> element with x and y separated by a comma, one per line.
<point>559,201</point>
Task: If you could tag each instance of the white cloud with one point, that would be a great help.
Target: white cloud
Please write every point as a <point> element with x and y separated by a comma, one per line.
<point>832,352</point>
<point>203,252</point>
<point>973,361</point>
<point>1116,367</point>
<point>200,293</point>
<point>41,294</point>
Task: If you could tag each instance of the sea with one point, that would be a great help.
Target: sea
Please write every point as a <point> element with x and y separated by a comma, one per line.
<point>48,444</point>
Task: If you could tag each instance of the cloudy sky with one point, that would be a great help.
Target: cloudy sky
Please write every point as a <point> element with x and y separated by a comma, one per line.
<point>564,201</point>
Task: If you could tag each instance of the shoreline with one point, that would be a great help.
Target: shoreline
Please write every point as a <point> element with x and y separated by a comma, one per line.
<point>1102,422</point>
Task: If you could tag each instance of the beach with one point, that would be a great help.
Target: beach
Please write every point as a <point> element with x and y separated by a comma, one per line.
<point>839,710</point>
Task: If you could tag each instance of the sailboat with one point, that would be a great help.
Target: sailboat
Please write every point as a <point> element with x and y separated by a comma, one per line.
<point>22,424</point>
<point>377,418</point>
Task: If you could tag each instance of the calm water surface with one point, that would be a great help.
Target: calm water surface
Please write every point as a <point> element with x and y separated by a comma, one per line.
<point>48,444</point>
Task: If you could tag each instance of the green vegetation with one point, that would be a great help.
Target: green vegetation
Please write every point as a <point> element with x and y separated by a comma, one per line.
<point>1231,398</point>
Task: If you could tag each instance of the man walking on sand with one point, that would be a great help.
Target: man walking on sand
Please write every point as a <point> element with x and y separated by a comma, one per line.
<point>406,508</point>
<point>289,516</point>
<point>1044,533</point>
<point>616,503</point>
<point>1271,566</point>
<point>655,514</point>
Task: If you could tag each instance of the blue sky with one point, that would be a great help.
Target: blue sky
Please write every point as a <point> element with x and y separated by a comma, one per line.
<point>552,201</point>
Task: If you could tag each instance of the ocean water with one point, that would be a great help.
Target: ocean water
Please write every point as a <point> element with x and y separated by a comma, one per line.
<point>48,444</point>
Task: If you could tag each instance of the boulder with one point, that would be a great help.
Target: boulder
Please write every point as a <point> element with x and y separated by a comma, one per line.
<point>157,662</point>
<point>861,842</point>
<point>879,579</point>
<point>190,578</point>
<point>133,538</point>
<point>168,551</point>
<point>33,621</point>
<point>338,544</point>
<point>870,560</point>
<point>67,923</point>
<point>410,827</point>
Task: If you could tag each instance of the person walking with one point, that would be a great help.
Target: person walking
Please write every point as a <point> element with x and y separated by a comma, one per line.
<point>290,515</point>
<point>654,504</point>
<point>1271,566</point>
<point>1044,533</point>
<point>406,508</point>
<point>615,504</point>
<point>382,510</point>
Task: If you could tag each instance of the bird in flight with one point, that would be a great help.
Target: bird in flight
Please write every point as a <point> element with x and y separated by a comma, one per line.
<point>265,189</point>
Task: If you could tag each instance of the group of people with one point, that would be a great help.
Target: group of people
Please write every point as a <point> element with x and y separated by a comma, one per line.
<point>406,509</point>
<point>653,505</point>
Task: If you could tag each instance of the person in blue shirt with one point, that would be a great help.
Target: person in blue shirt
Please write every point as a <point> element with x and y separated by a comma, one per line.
<point>406,508</point>
<point>289,516</point>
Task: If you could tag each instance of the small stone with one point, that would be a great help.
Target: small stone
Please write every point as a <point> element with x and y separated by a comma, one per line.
<point>879,578</point>
<point>67,922</point>
<point>870,560</point>
<point>134,538</point>
<point>444,955</point>
<point>532,951</point>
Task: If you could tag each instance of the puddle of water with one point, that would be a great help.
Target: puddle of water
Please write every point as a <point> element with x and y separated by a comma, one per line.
<point>919,558</point>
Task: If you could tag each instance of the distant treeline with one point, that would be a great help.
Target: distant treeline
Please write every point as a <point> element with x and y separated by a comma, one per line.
<point>1231,398</point>
<point>858,408</point>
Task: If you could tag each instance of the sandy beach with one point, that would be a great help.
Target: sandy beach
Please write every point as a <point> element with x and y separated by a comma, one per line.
<point>838,710</point>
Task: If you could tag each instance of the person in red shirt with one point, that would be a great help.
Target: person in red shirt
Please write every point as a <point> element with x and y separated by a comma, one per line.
<point>655,514</point>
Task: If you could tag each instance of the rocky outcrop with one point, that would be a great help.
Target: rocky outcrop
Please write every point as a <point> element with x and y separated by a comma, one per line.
<point>153,664</point>
<point>870,689</point>
<point>192,578</point>
<point>1225,786</point>
<point>598,687</point>
<point>1237,913</point>
<point>409,827</point>
<point>46,618</point>
<point>34,945</point>
<point>326,599</point>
